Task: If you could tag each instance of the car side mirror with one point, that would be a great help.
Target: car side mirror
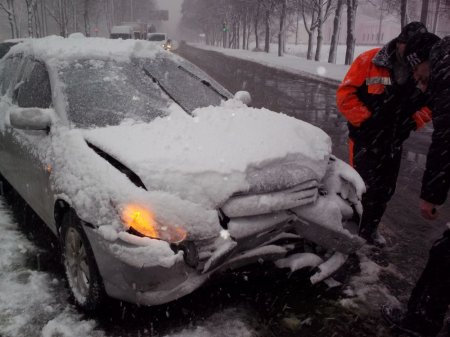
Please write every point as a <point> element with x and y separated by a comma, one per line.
<point>30,119</point>
<point>244,97</point>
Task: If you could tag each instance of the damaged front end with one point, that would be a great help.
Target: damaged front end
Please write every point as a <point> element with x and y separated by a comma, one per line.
<point>312,224</point>
<point>309,224</point>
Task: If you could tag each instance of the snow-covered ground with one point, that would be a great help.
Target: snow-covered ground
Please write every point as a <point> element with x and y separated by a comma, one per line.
<point>295,61</point>
<point>32,302</point>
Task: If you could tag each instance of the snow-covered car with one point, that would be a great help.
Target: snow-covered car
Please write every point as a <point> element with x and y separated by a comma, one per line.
<point>154,177</point>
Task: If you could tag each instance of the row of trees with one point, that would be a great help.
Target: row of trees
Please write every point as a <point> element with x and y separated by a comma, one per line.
<point>232,23</point>
<point>70,15</point>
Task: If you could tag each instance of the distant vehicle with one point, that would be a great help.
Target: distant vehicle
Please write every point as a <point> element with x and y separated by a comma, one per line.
<point>154,177</point>
<point>122,32</point>
<point>156,37</point>
<point>168,45</point>
<point>139,29</point>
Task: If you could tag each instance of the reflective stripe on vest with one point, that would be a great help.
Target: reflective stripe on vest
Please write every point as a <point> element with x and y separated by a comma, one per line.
<point>378,80</point>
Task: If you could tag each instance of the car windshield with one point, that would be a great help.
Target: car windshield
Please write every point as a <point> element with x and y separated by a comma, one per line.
<point>185,84</point>
<point>101,93</point>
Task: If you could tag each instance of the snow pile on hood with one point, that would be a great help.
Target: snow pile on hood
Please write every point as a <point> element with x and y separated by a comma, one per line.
<point>208,157</point>
<point>59,48</point>
<point>189,164</point>
<point>98,191</point>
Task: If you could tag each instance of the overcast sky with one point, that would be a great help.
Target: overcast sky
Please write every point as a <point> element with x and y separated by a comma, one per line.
<point>174,7</point>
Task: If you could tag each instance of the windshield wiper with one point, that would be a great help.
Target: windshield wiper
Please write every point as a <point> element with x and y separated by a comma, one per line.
<point>155,80</point>
<point>204,82</point>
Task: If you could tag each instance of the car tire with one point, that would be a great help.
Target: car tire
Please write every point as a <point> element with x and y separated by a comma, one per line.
<point>81,270</point>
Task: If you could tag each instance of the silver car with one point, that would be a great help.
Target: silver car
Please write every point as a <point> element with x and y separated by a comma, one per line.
<point>153,176</point>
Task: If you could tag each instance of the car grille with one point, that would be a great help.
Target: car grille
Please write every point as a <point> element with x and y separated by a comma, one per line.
<point>265,203</point>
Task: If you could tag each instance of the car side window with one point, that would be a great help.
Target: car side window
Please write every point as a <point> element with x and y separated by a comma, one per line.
<point>34,90</point>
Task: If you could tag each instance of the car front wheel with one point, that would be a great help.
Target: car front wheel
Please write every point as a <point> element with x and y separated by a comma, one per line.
<point>79,263</point>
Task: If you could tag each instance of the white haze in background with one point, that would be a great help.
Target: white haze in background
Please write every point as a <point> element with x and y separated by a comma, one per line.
<point>174,7</point>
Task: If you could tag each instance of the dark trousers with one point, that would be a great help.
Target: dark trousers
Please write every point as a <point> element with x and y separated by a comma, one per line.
<point>430,298</point>
<point>379,169</point>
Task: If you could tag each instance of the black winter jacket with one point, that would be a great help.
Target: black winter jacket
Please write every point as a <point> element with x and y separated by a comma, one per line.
<point>392,110</point>
<point>436,180</point>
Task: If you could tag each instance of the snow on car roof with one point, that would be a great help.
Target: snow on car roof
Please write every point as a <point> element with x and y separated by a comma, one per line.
<point>59,48</point>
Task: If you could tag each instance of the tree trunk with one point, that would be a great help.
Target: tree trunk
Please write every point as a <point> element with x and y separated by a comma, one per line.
<point>436,16</point>
<point>296,26</point>
<point>29,4</point>
<point>424,12</point>
<point>280,33</point>
<point>267,39</point>
<point>238,33</point>
<point>113,13</point>
<point>87,25</point>
<point>319,31</point>
<point>403,13</point>
<point>310,44</point>
<point>44,18</point>
<point>9,10</point>
<point>256,26</point>
<point>75,19</point>
<point>16,26</point>
<point>380,22</point>
<point>131,11</point>
<point>244,31</point>
<point>37,20</point>
<point>336,31</point>
<point>249,32</point>
<point>352,7</point>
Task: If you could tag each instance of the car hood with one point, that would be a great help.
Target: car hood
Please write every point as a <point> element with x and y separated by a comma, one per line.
<point>218,152</point>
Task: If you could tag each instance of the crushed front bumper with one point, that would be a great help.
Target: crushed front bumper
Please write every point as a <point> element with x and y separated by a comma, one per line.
<point>275,237</point>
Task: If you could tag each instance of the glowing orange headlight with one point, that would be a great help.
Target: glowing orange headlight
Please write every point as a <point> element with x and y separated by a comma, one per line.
<point>143,222</point>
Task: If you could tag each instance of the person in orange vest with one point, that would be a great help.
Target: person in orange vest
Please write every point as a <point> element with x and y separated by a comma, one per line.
<point>429,55</point>
<point>382,104</point>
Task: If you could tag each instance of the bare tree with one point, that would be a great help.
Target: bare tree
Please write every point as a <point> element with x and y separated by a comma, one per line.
<point>310,30</point>
<point>269,6</point>
<point>352,7</point>
<point>8,8</point>
<point>256,24</point>
<point>323,12</point>
<point>281,32</point>
<point>424,12</point>
<point>336,32</point>
<point>403,13</point>
<point>436,16</point>
<point>30,6</point>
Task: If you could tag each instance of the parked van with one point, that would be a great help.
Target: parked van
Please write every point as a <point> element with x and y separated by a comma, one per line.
<point>122,32</point>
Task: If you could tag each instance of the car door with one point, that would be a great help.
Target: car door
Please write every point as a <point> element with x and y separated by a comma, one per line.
<point>10,74</point>
<point>29,170</point>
